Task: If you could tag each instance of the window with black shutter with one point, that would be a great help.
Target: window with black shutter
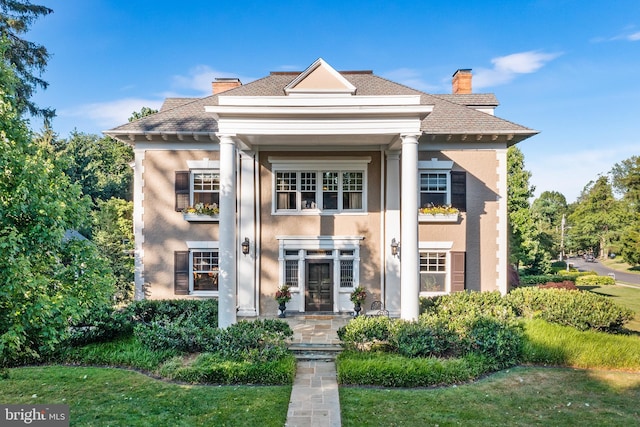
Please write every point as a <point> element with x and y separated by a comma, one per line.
<point>182,190</point>
<point>459,190</point>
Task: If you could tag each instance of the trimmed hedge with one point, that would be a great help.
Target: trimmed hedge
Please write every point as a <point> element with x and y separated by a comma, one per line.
<point>595,281</point>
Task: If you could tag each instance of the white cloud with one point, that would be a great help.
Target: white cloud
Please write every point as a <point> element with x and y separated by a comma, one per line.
<point>410,77</point>
<point>110,113</point>
<point>198,80</point>
<point>506,68</point>
<point>634,37</point>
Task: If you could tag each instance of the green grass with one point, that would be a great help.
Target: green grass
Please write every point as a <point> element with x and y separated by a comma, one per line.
<point>618,264</point>
<point>114,397</point>
<point>521,396</point>
<point>548,343</point>
<point>123,352</point>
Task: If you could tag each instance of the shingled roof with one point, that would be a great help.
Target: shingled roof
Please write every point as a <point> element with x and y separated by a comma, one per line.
<point>452,114</point>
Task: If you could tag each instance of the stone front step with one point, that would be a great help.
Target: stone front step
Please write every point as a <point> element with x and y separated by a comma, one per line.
<point>327,352</point>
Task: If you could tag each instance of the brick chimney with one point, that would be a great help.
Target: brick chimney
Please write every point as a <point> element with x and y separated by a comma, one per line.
<point>461,82</point>
<point>223,84</point>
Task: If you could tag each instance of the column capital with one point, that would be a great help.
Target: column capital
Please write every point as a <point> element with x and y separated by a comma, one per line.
<point>227,138</point>
<point>410,138</point>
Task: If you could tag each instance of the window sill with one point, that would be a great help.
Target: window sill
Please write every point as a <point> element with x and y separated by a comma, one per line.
<point>439,217</point>
<point>192,217</point>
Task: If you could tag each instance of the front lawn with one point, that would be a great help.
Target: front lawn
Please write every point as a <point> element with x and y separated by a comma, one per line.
<point>522,396</point>
<point>115,397</point>
<point>625,296</point>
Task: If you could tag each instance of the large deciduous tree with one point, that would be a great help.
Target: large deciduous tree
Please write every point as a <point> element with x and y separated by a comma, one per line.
<point>626,180</point>
<point>597,218</point>
<point>28,59</point>
<point>99,164</point>
<point>46,281</point>
<point>524,235</point>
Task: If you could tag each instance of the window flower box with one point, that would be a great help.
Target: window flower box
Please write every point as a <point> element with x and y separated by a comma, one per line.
<point>201,212</point>
<point>438,214</point>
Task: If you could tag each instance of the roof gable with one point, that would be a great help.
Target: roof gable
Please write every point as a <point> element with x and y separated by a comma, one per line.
<point>320,78</point>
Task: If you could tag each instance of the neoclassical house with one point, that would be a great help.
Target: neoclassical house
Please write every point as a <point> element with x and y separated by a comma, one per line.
<point>325,181</point>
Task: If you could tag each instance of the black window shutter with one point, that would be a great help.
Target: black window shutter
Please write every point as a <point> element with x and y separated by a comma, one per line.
<point>182,190</point>
<point>459,190</point>
<point>457,271</point>
<point>181,272</point>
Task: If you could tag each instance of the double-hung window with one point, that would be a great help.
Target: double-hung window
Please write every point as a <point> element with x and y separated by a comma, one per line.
<point>308,187</point>
<point>433,272</point>
<point>196,270</point>
<point>197,194</point>
<point>439,185</point>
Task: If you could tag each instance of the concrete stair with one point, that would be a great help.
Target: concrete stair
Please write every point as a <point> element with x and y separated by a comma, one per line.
<point>315,352</point>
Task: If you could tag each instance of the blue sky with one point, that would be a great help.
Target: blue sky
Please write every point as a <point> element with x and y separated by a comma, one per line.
<point>570,69</point>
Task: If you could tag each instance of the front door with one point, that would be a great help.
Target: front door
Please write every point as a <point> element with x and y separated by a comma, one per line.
<point>319,295</point>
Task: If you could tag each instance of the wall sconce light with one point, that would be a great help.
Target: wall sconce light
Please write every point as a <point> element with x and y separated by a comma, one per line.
<point>245,246</point>
<point>394,247</point>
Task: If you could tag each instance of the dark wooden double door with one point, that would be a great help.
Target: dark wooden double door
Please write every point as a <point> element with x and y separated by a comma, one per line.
<point>319,289</point>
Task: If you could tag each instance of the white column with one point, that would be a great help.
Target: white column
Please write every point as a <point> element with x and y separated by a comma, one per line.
<point>228,237</point>
<point>409,265</point>
<point>247,305</point>
<point>392,231</point>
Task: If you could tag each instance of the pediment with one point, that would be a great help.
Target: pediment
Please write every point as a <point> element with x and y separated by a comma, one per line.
<point>320,78</point>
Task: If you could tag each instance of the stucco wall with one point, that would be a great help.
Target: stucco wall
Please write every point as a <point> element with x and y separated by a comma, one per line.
<point>353,224</point>
<point>479,224</point>
<point>165,229</point>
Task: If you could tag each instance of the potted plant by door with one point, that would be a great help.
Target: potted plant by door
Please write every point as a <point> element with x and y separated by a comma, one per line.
<point>357,298</point>
<point>283,296</point>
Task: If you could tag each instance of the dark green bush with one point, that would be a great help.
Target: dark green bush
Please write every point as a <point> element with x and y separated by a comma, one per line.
<point>558,265</point>
<point>199,312</point>
<point>101,324</point>
<point>593,280</point>
<point>580,309</point>
<point>453,326</point>
<point>470,303</point>
<point>363,331</point>
<point>423,339</point>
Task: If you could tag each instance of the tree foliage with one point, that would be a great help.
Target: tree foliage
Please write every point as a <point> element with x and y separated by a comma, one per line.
<point>113,233</point>
<point>99,164</point>
<point>597,218</point>
<point>28,59</point>
<point>525,237</point>
<point>144,112</point>
<point>46,281</point>
<point>547,211</point>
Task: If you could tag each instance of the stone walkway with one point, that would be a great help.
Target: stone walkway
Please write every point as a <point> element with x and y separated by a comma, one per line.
<point>315,401</point>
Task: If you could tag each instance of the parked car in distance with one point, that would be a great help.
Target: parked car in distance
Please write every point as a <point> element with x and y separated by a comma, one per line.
<point>590,258</point>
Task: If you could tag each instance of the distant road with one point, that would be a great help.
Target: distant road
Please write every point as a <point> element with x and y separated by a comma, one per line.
<point>621,276</point>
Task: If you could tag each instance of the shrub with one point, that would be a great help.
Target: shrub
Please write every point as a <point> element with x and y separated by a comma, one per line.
<point>363,332</point>
<point>101,324</point>
<point>426,338</point>
<point>593,280</point>
<point>465,303</point>
<point>566,284</point>
<point>582,310</point>
<point>545,278</point>
<point>200,312</point>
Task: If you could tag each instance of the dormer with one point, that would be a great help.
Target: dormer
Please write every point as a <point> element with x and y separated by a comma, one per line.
<point>320,78</point>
